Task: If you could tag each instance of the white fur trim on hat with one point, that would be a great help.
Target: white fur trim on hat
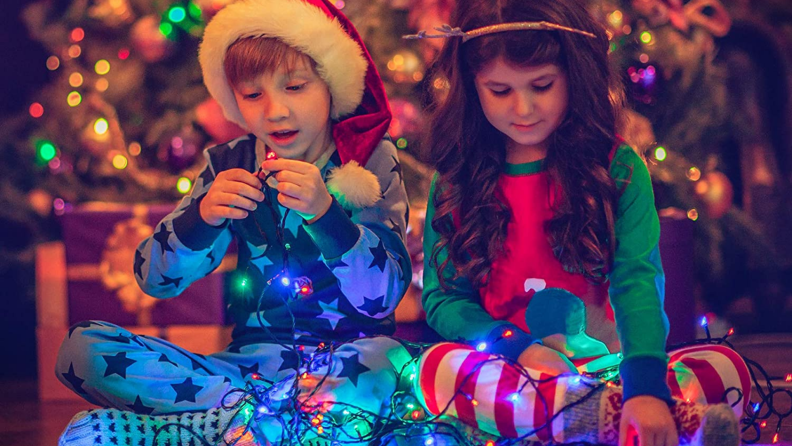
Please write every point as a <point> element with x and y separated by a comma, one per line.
<point>306,28</point>
<point>353,186</point>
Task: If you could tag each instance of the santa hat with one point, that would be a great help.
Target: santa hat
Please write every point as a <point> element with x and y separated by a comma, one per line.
<point>320,31</point>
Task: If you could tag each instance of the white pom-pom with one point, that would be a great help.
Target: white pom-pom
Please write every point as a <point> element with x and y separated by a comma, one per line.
<point>353,186</point>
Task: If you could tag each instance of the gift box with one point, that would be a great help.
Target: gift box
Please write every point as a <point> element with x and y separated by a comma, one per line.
<point>100,241</point>
<point>89,275</point>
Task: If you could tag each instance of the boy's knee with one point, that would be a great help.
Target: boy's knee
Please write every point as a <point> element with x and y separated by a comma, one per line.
<point>79,346</point>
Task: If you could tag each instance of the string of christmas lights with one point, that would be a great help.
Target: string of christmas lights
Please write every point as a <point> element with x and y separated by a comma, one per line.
<point>293,409</point>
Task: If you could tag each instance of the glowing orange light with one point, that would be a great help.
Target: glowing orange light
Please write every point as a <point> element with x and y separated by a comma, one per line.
<point>507,333</point>
<point>610,384</point>
<point>731,331</point>
<point>74,98</point>
<point>102,85</point>
<point>775,438</point>
<point>77,34</point>
<point>788,378</point>
<point>304,289</point>
<point>415,415</point>
<point>321,345</point>
<point>53,63</point>
<point>304,375</point>
<point>75,79</point>
<point>255,376</point>
<point>74,51</point>
<point>320,430</point>
<point>490,443</point>
<point>763,424</point>
<point>36,110</point>
<point>272,155</point>
<point>474,402</point>
<point>314,421</point>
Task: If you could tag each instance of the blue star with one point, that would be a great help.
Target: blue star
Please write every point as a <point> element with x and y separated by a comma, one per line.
<point>117,365</point>
<point>397,168</point>
<point>186,391</point>
<point>140,408</point>
<point>294,223</point>
<point>395,227</point>
<point>196,365</point>
<point>245,371</point>
<point>380,257</point>
<point>168,281</point>
<point>164,358</point>
<point>120,338</point>
<point>75,381</point>
<point>373,306</point>
<point>352,369</point>
<point>83,324</point>
<point>336,263</point>
<point>139,261</point>
<point>330,312</point>
<point>162,237</point>
<point>290,360</point>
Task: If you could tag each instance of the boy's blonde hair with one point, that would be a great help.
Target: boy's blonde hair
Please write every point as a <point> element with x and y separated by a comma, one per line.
<point>250,57</point>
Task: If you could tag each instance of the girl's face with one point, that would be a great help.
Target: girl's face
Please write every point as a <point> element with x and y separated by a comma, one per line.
<point>526,104</point>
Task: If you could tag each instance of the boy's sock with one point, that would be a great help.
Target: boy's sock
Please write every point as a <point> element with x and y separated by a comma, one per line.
<point>113,427</point>
<point>697,424</point>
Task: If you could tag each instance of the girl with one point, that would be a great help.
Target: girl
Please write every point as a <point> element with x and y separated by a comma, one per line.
<point>541,244</point>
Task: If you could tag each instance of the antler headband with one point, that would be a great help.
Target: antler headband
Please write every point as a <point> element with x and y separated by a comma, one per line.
<point>446,31</point>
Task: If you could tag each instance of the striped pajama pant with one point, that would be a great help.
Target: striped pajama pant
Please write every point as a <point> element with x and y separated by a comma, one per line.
<point>493,396</point>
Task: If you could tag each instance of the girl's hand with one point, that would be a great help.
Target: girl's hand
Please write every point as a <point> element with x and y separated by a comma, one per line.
<point>301,187</point>
<point>545,360</point>
<point>649,419</point>
<point>233,193</point>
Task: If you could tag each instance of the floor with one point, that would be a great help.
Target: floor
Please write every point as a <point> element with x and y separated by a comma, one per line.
<point>24,421</point>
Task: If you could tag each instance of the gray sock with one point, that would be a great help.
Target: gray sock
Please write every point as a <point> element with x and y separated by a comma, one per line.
<point>720,427</point>
<point>113,427</point>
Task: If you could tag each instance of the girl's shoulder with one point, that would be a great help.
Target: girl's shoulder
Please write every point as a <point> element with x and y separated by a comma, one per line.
<point>625,161</point>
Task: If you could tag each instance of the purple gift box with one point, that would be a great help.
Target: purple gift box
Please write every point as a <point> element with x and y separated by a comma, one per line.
<point>100,240</point>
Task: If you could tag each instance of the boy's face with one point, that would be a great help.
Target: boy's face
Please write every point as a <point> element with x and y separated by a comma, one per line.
<point>289,110</point>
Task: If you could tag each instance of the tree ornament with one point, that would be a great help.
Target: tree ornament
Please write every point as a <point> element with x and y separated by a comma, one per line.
<point>148,40</point>
<point>117,271</point>
<point>407,119</point>
<point>716,192</point>
<point>405,67</point>
<point>180,149</point>
<point>111,13</point>
<point>210,116</point>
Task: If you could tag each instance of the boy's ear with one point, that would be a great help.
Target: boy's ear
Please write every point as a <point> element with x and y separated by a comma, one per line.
<point>353,186</point>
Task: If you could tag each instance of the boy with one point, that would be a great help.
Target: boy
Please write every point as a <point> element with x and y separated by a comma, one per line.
<point>320,237</point>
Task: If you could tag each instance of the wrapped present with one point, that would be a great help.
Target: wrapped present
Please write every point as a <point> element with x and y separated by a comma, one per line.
<point>100,241</point>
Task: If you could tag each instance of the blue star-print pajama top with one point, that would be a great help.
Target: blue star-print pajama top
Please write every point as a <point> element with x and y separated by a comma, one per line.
<point>355,259</point>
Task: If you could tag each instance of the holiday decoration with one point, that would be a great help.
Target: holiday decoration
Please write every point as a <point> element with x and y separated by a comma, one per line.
<point>148,40</point>
<point>209,115</point>
<point>716,191</point>
<point>116,268</point>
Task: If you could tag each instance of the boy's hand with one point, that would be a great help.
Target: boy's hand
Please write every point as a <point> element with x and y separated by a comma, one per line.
<point>545,360</point>
<point>301,187</point>
<point>649,419</point>
<point>233,193</point>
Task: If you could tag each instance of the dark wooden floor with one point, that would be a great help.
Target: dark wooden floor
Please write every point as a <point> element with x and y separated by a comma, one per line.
<point>25,421</point>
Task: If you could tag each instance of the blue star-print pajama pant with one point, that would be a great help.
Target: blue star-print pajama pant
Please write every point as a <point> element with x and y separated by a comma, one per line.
<point>112,367</point>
